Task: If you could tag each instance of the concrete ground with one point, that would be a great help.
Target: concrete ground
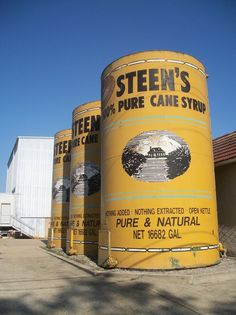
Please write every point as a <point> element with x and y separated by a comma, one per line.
<point>34,281</point>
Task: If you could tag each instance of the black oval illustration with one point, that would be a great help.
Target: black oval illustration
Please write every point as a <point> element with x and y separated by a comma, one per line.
<point>156,156</point>
<point>85,179</point>
<point>61,190</point>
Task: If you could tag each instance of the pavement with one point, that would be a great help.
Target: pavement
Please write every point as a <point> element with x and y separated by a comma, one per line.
<point>36,281</point>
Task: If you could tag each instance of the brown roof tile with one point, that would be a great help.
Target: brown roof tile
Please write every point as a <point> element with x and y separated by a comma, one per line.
<point>224,147</point>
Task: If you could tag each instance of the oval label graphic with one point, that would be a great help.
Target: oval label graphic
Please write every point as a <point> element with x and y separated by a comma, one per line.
<point>108,85</point>
<point>61,190</point>
<point>85,179</point>
<point>156,156</point>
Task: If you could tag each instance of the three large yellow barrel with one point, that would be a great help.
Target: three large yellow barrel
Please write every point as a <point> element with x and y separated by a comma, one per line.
<point>60,189</point>
<point>158,203</point>
<point>157,200</point>
<point>85,180</point>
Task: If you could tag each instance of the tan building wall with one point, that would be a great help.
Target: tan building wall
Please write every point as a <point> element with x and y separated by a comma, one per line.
<point>226,201</point>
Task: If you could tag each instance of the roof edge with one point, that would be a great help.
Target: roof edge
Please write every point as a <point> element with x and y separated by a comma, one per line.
<point>224,162</point>
<point>224,136</point>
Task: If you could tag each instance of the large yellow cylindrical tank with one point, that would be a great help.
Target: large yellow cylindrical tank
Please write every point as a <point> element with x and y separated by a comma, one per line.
<point>60,189</point>
<point>158,193</point>
<point>85,180</point>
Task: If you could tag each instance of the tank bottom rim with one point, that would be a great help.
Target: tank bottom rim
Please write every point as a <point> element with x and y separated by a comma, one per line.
<point>167,269</point>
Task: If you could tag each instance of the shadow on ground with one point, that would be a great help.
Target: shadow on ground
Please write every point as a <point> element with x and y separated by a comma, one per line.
<point>106,295</point>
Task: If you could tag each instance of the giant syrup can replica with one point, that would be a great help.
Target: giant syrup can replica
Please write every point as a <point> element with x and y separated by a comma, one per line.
<point>85,180</point>
<point>158,193</point>
<point>60,189</point>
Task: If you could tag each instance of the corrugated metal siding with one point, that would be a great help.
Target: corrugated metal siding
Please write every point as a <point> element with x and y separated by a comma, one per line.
<point>30,174</point>
<point>35,177</point>
<point>39,225</point>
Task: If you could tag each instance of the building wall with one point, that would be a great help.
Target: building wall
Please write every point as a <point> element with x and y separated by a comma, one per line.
<point>29,177</point>
<point>226,202</point>
<point>7,208</point>
<point>12,170</point>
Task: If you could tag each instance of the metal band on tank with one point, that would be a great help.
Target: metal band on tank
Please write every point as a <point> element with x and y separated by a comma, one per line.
<point>86,110</point>
<point>156,60</point>
<point>59,238</point>
<point>83,242</point>
<point>62,135</point>
<point>157,250</point>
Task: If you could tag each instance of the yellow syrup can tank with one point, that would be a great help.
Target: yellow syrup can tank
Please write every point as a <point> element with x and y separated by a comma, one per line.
<point>85,180</point>
<point>60,189</point>
<point>158,202</point>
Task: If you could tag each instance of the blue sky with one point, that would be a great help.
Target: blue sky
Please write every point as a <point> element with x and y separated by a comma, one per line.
<point>52,53</point>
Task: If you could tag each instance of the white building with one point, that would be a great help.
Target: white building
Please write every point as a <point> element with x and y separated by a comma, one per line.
<point>29,178</point>
<point>7,209</point>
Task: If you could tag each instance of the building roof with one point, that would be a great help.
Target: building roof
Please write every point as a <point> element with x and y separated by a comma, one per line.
<point>157,149</point>
<point>224,148</point>
<point>34,137</point>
